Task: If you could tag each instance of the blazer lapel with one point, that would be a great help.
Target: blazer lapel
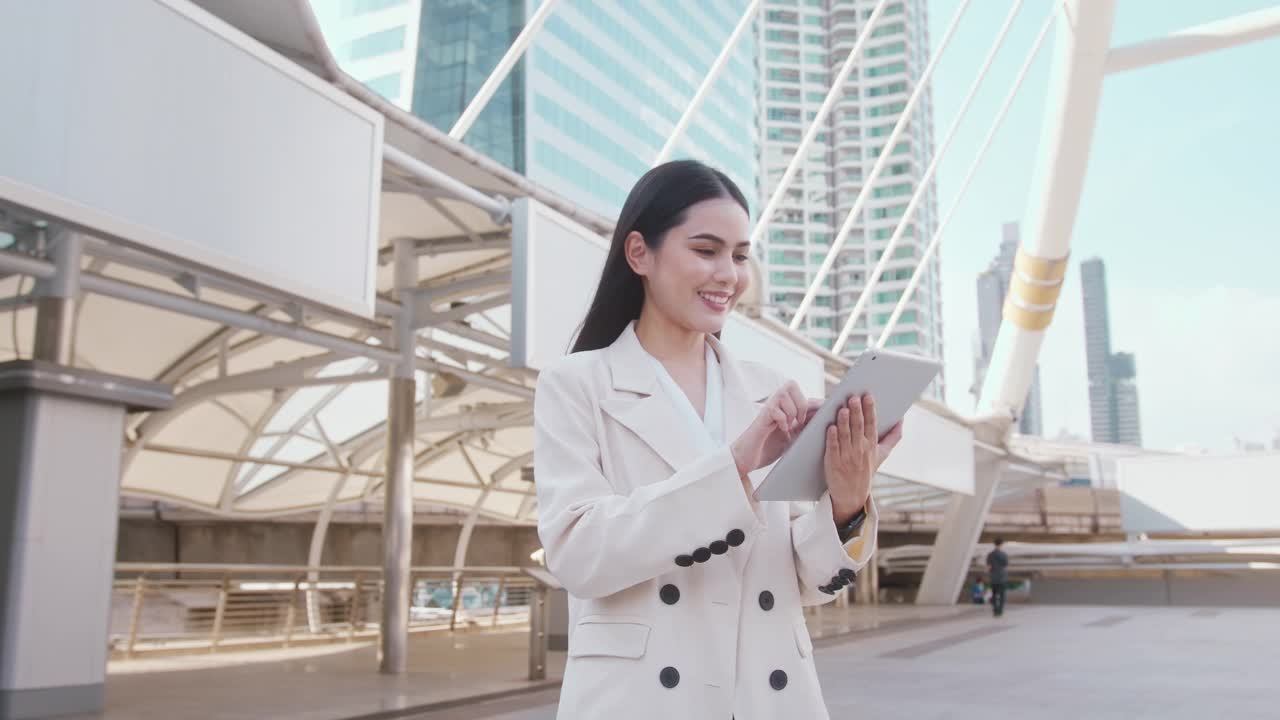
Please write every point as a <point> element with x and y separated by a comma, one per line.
<point>639,403</point>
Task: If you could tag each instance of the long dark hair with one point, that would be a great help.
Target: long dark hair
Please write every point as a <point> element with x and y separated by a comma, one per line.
<point>659,201</point>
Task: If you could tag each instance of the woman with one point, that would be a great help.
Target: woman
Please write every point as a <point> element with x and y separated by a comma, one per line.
<point>686,592</point>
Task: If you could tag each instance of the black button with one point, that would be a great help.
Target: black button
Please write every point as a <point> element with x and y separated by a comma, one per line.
<point>669,677</point>
<point>670,594</point>
<point>719,547</point>
<point>777,679</point>
<point>684,560</point>
<point>848,574</point>
<point>826,590</point>
<point>701,555</point>
<point>766,601</point>
<point>735,538</point>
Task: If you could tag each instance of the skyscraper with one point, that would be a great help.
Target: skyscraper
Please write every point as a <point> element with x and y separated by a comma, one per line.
<point>1113,389</point>
<point>595,97</point>
<point>375,42</point>
<point>993,288</point>
<point>803,44</point>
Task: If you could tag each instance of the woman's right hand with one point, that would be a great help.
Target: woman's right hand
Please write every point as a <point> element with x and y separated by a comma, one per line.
<point>783,416</point>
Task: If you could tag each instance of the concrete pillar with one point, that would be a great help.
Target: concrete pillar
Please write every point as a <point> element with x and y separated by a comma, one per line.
<point>961,526</point>
<point>60,442</point>
<point>397,523</point>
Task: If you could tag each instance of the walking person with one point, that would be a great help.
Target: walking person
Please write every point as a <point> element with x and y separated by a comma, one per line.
<point>997,576</point>
<point>685,592</point>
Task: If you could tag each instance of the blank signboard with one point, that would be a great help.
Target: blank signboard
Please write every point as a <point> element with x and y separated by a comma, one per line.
<point>155,123</point>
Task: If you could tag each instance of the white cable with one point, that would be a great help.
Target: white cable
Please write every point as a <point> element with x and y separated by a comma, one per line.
<point>873,279</point>
<point>964,186</point>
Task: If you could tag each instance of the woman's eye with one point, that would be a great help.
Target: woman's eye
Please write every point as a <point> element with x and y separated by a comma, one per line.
<point>705,252</point>
<point>740,258</point>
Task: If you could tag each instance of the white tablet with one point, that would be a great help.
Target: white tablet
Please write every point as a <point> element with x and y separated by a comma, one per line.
<point>895,380</point>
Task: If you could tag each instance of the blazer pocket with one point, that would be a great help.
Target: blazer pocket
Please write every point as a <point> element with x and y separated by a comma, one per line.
<point>803,643</point>
<point>600,636</point>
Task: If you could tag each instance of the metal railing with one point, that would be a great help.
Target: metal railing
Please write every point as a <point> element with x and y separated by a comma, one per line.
<point>177,608</point>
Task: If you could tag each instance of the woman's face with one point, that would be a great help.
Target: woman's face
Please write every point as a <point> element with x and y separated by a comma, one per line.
<point>698,273</point>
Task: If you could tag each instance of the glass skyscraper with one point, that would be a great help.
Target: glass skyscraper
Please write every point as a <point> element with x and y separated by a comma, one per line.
<point>596,95</point>
<point>1113,383</point>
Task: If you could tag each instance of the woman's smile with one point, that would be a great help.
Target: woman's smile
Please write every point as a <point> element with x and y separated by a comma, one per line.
<point>717,301</point>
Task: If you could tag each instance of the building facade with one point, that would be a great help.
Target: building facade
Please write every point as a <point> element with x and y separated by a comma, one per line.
<point>803,44</point>
<point>595,97</point>
<point>375,42</point>
<point>993,288</point>
<point>1113,388</point>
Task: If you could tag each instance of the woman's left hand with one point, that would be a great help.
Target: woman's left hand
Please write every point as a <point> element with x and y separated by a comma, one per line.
<point>853,455</point>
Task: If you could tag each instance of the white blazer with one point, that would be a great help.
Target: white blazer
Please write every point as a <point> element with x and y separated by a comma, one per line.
<point>685,596</point>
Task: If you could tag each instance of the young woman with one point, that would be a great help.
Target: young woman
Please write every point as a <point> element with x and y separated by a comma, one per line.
<point>685,592</point>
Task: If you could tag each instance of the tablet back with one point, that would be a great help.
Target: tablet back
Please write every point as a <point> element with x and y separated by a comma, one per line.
<point>895,380</point>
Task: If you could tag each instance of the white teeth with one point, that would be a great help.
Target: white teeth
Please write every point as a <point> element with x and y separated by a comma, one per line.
<point>717,299</point>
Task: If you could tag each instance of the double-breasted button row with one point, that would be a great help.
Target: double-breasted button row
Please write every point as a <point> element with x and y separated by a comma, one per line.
<point>670,677</point>
<point>839,581</point>
<point>716,547</point>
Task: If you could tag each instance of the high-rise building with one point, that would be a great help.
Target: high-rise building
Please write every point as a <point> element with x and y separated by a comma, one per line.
<point>803,44</point>
<point>375,42</point>
<point>993,288</point>
<point>596,95</point>
<point>1113,384</point>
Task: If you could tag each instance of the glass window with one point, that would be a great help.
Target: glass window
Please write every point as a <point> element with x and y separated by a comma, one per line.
<point>360,7</point>
<point>815,40</point>
<point>785,17</point>
<point>897,87</point>
<point>889,49</point>
<point>379,43</point>
<point>892,190</point>
<point>388,86</point>
<point>791,37</point>
<point>888,69</point>
<point>893,211</point>
<point>784,75</point>
<point>890,29</point>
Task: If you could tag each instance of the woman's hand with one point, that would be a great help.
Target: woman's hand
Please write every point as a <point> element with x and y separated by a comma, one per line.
<point>854,453</point>
<point>783,416</point>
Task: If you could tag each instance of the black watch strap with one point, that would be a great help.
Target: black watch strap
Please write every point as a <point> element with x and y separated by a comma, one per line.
<point>851,528</point>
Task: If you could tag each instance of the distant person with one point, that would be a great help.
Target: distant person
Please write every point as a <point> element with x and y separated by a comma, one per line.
<point>998,576</point>
<point>685,591</point>
<point>979,592</point>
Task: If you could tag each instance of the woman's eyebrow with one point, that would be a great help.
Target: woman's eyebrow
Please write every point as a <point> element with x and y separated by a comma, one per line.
<point>716,238</point>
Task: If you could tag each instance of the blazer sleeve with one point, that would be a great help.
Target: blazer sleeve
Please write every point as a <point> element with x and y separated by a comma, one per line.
<point>599,542</point>
<point>824,566</point>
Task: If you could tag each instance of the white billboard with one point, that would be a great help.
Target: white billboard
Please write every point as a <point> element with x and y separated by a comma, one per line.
<point>155,123</point>
<point>1175,493</point>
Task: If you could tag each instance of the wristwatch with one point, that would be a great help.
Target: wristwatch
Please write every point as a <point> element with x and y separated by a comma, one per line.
<point>851,528</point>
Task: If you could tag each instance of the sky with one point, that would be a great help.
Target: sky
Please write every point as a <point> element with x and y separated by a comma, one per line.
<point>1180,201</point>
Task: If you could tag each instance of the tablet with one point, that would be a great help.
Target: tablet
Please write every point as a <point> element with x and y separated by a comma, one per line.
<point>895,380</point>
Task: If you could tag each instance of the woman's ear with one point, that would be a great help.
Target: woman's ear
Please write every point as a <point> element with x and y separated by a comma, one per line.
<point>638,254</point>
